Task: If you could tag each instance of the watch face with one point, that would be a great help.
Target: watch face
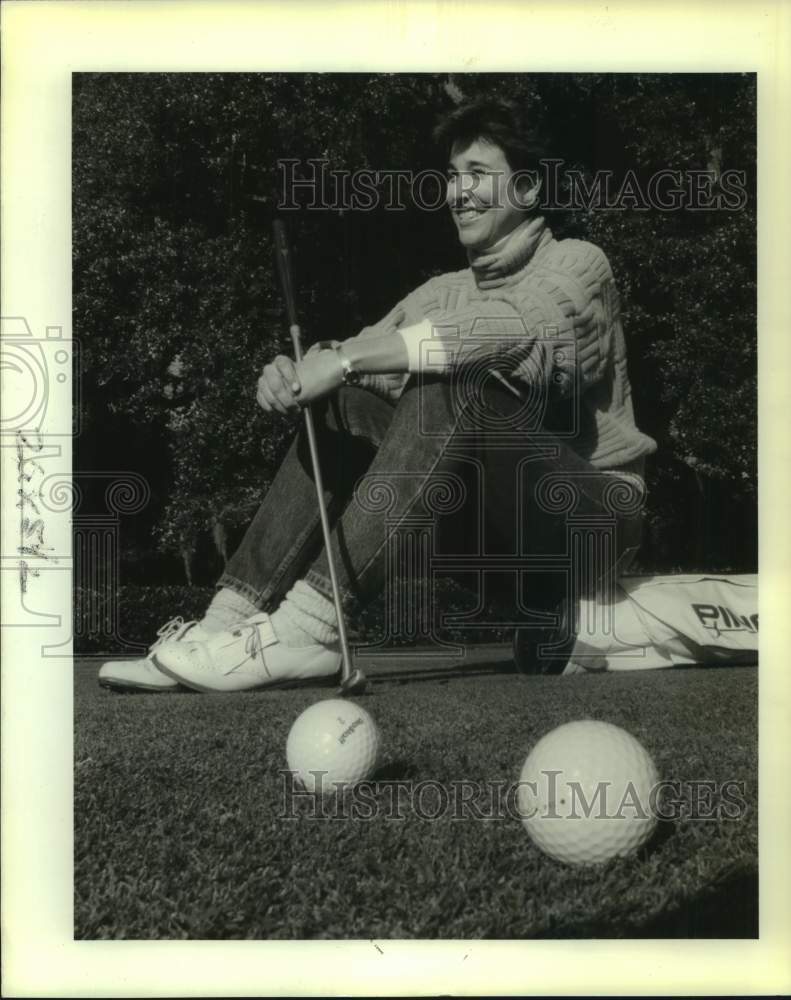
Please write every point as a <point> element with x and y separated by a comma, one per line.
<point>350,375</point>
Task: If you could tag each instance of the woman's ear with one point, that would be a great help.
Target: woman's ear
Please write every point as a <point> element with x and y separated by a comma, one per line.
<point>528,191</point>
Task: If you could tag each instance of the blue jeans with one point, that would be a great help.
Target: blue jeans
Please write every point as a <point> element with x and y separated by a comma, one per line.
<point>444,457</point>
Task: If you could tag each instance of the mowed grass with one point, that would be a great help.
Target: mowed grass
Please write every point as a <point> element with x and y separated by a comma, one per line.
<point>180,829</point>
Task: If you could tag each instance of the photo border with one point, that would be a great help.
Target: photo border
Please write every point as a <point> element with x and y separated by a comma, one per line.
<point>42,44</point>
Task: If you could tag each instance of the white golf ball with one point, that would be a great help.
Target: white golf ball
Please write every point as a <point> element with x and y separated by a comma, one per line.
<point>332,744</point>
<point>585,793</point>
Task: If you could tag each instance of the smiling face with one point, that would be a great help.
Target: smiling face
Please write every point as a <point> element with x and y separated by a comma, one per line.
<point>486,198</point>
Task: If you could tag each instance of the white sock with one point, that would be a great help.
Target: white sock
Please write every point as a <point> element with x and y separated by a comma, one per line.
<point>305,617</point>
<point>226,609</point>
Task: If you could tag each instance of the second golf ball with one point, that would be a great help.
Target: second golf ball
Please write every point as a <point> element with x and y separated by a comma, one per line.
<point>585,793</point>
<point>332,744</point>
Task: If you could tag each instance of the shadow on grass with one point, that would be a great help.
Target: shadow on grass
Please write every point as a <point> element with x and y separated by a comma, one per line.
<point>397,770</point>
<point>727,910</point>
<point>405,675</point>
<point>665,829</point>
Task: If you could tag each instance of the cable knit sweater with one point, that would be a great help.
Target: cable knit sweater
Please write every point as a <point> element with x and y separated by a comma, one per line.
<point>545,314</point>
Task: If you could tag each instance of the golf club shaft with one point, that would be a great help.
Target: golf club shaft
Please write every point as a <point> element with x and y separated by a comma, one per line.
<point>325,527</point>
<point>284,267</point>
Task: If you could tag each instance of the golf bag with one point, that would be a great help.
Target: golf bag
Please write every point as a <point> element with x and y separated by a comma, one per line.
<point>649,623</point>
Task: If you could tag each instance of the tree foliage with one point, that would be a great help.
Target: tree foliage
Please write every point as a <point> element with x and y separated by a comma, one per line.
<point>177,309</point>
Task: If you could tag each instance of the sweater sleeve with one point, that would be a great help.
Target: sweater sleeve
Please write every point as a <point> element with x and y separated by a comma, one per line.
<point>405,313</point>
<point>552,329</point>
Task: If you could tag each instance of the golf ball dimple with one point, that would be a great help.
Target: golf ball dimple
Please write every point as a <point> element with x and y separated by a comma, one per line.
<point>585,793</point>
<point>332,744</point>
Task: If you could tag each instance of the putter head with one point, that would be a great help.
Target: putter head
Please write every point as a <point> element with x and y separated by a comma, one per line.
<point>355,683</point>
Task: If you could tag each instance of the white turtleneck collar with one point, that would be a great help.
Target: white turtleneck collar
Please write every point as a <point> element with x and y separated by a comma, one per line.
<point>492,267</point>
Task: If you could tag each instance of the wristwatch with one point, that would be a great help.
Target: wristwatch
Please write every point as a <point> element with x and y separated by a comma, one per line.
<point>350,374</point>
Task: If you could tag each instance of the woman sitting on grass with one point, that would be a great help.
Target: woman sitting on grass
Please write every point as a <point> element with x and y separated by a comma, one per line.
<point>516,363</point>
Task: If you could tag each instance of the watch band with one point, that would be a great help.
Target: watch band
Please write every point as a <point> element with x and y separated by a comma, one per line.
<point>350,374</point>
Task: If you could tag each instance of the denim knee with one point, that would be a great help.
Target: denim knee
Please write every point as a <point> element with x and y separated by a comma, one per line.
<point>360,413</point>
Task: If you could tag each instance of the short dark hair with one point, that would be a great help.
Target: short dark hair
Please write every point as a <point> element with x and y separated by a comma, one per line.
<point>497,121</point>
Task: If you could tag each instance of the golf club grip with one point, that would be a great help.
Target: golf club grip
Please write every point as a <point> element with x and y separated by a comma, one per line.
<point>283,256</point>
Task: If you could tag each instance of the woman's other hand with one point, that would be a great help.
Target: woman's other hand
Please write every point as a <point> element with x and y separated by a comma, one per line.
<point>278,386</point>
<point>285,387</point>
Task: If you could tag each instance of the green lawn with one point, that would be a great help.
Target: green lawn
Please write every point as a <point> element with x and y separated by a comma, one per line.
<point>179,830</point>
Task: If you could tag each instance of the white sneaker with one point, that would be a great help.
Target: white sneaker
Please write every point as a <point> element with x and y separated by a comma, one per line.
<point>142,675</point>
<point>247,656</point>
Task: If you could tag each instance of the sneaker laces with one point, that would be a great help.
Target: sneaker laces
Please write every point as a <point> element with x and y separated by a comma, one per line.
<point>253,645</point>
<point>168,630</point>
